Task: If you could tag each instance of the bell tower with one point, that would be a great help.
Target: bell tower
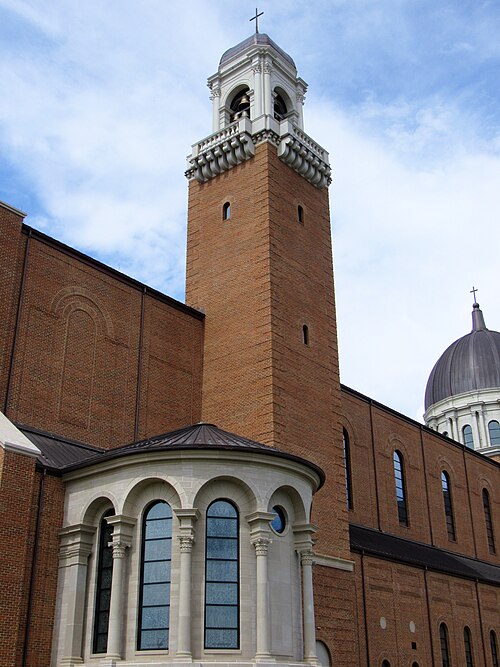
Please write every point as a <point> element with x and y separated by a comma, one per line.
<point>259,264</point>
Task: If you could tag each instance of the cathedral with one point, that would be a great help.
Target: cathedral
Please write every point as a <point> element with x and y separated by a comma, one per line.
<point>191,483</point>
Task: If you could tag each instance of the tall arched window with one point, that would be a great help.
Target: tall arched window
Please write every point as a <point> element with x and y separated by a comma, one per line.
<point>468,437</point>
<point>347,463</point>
<point>494,648</point>
<point>468,647</point>
<point>494,431</point>
<point>445,649</point>
<point>448,506</point>
<point>488,521</point>
<point>222,598</point>
<point>226,211</point>
<point>103,586</point>
<point>399,478</point>
<point>156,554</point>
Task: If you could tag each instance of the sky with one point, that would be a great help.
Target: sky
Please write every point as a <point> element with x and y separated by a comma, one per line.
<point>101,100</point>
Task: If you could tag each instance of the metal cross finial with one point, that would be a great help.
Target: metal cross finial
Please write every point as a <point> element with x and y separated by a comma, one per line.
<point>473,291</point>
<point>256,19</point>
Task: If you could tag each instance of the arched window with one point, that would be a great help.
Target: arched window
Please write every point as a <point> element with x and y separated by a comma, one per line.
<point>494,431</point>
<point>222,577</point>
<point>448,506</point>
<point>386,663</point>
<point>468,647</point>
<point>494,648</point>
<point>305,334</point>
<point>240,105</point>
<point>226,211</point>
<point>445,649</point>
<point>103,586</point>
<point>154,600</point>
<point>280,109</point>
<point>300,214</point>
<point>468,437</point>
<point>488,521</point>
<point>347,464</point>
<point>399,478</point>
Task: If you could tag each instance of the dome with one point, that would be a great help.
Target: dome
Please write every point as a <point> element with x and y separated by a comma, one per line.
<point>469,364</point>
<point>258,39</point>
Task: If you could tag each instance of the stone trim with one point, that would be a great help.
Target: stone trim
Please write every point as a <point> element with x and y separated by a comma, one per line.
<point>333,561</point>
<point>12,209</point>
<point>12,440</point>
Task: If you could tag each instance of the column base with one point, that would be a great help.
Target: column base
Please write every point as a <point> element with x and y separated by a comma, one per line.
<point>264,657</point>
<point>110,661</point>
<point>312,661</point>
<point>183,656</point>
<point>71,661</point>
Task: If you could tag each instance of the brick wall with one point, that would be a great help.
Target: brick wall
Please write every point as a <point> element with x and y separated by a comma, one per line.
<point>260,277</point>
<point>18,497</point>
<point>374,433</point>
<point>400,609</point>
<point>79,350</point>
<point>12,250</point>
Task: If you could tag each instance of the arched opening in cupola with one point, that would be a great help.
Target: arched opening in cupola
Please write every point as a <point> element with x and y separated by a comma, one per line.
<point>282,104</point>
<point>240,105</point>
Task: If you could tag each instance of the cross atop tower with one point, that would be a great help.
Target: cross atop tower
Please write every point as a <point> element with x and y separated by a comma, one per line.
<point>473,291</point>
<point>256,19</point>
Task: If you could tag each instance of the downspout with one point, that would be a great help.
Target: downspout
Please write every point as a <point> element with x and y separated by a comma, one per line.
<point>34,560</point>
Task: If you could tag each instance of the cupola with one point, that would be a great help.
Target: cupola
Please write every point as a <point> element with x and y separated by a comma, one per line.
<point>257,96</point>
<point>462,397</point>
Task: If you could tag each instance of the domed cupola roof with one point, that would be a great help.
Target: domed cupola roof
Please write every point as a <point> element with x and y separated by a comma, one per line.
<point>470,363</point>
<point>258,39</point>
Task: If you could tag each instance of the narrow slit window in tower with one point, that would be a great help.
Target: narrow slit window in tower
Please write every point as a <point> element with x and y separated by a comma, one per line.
<point>448,506</point>
<point>300,214</point>
<point>226,211</point>
<point>305,334</point>
<point>488,521</point>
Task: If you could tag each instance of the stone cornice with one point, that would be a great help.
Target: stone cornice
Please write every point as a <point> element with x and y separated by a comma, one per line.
<point>10,208</point>
<point>236,143</point>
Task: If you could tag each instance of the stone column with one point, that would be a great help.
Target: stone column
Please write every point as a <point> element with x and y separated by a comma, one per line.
<point>475,428</point>
<point>257,87</point>
<point>75,549</point>
<point>260,537</point>
<point>187,518</point>
<point>484,440</point>
<point>306,560</point>
<point>304,541</point>
<point>122,538</point>
<point>268,93</point>
<point>215,97</point>
<point>263,652</point>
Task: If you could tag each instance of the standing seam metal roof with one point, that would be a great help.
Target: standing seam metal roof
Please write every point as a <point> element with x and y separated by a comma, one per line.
<point>470,363</point>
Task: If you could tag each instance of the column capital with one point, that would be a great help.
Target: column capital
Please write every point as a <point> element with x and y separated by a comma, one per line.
<point>261,545</point>
<point>119,548</point>
<point>186,543</point>
<point>307,557</point>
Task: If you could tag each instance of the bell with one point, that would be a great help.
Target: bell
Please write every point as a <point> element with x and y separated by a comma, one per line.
<point>243,106</point>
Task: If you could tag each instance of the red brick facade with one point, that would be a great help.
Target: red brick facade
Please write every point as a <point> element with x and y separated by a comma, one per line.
<point>92,355</point>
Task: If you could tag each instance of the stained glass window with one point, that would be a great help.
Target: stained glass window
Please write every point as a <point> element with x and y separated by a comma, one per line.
<point>448,506</point>
<point>445,649</point>
<point>399,477</point>
<point>222,599</point>
<point>103,587</point>
<point>154,603</point>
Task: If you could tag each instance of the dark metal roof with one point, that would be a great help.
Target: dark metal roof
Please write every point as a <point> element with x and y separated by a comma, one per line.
<point>199,436</point>
<point>376,543</point>
<point>57,452</point>
<point>470,363</point>
<point>255,39</point>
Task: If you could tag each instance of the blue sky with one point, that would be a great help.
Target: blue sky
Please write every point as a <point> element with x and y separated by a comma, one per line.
<point>100,102</point>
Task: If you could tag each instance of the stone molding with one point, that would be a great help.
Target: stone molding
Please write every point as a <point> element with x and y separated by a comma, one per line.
<point>334,562</point>
<point>12,440</point>
<point>75,544</point>
<point>236,143</point>
<point>10,208</point>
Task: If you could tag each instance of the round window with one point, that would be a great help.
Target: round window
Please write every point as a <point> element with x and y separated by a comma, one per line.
<point>278,524</point>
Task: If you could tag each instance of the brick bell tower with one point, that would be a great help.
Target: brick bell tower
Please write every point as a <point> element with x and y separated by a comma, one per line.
<point>259,264</point>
